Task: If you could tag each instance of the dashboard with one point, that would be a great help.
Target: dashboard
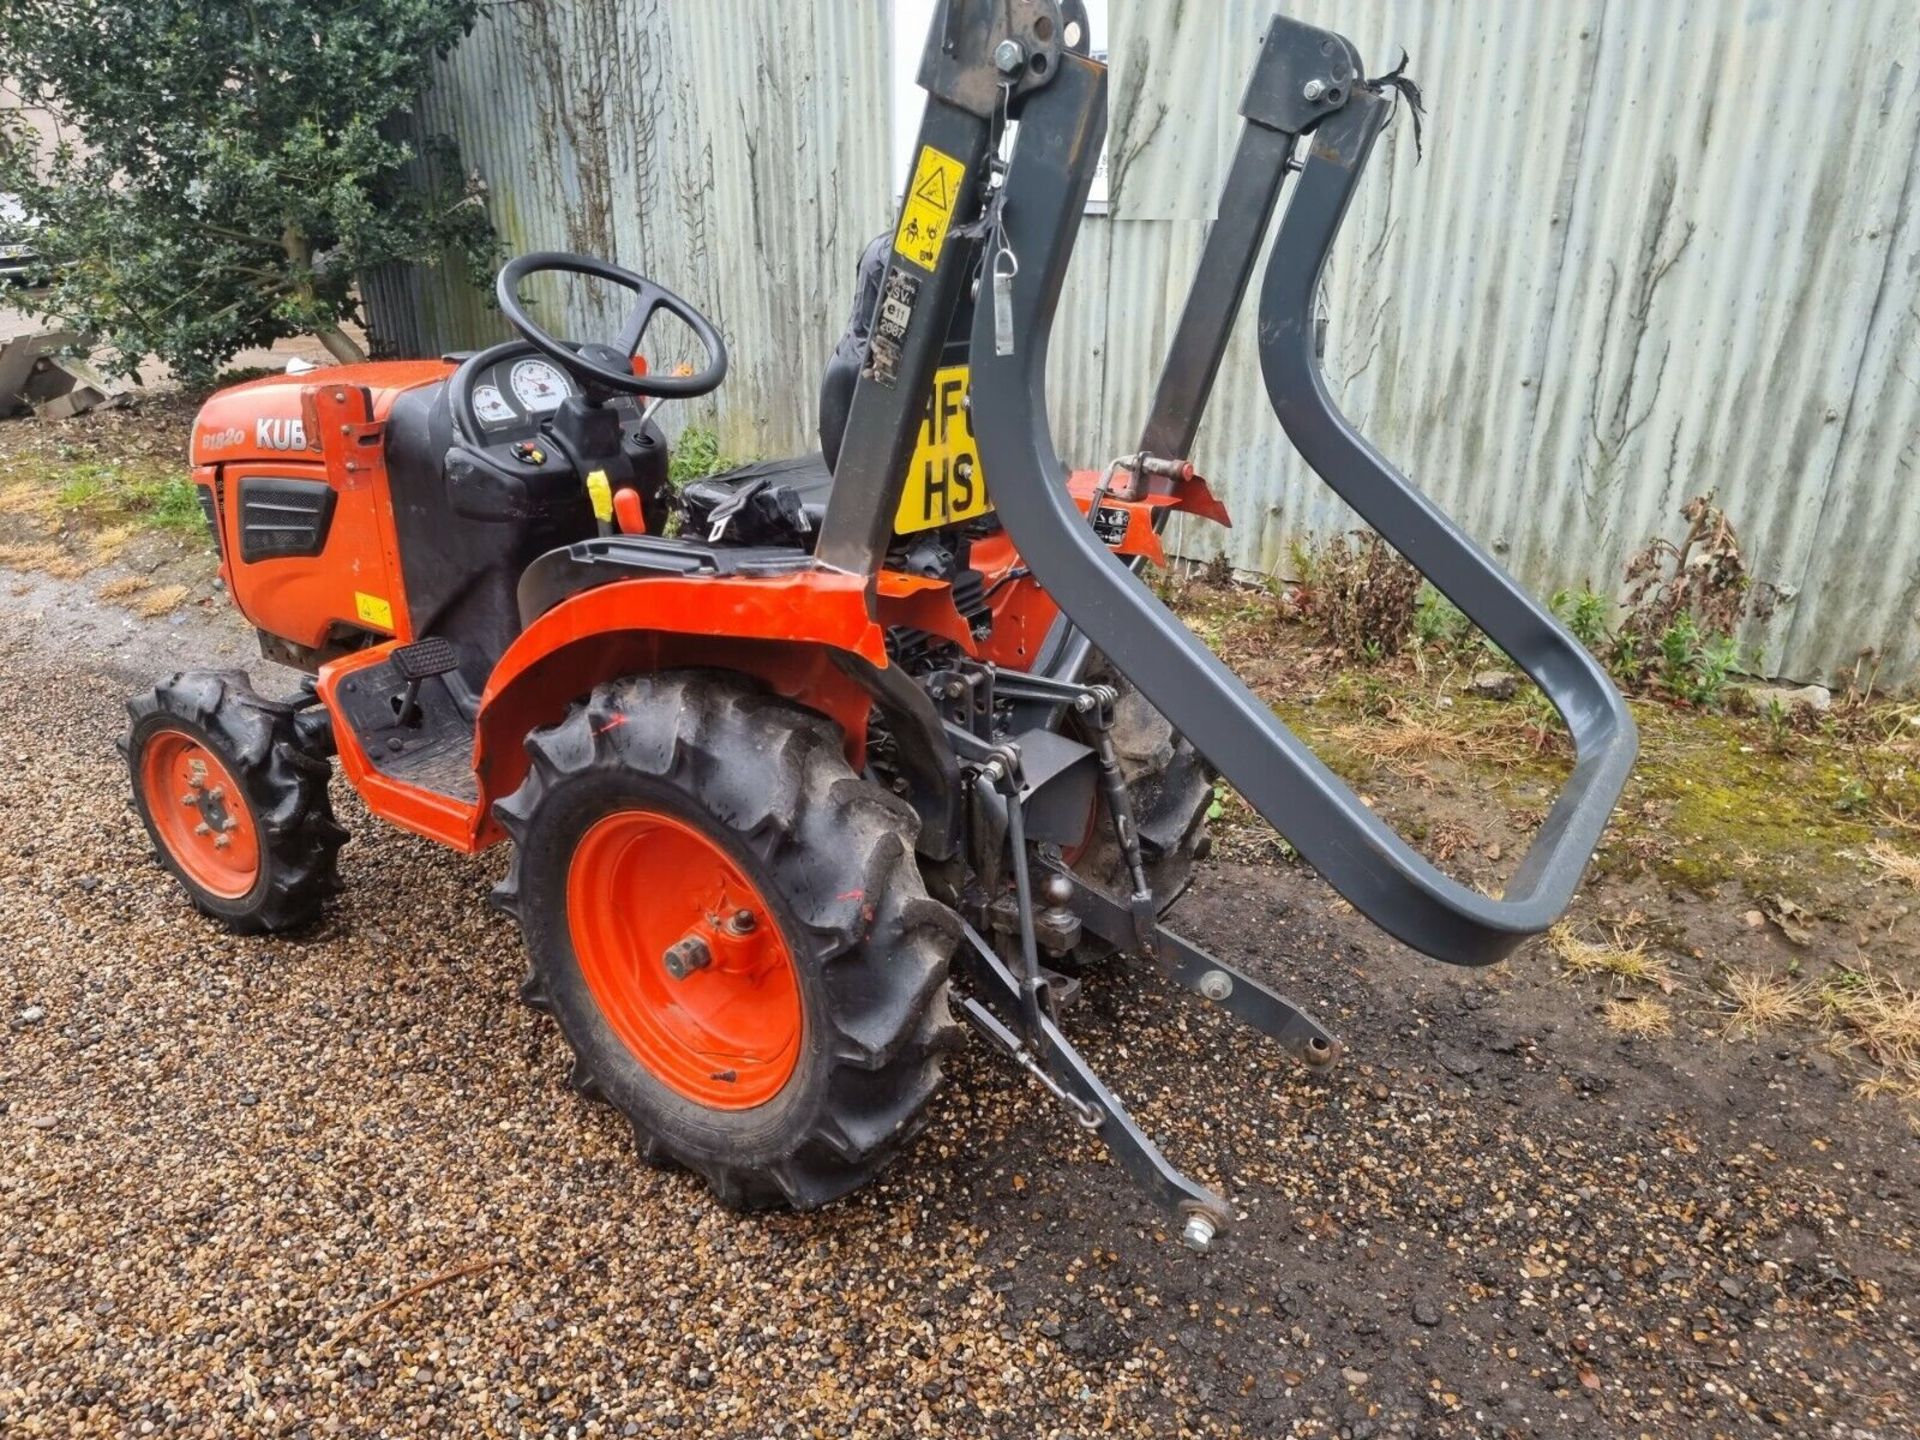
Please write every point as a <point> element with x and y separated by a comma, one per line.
<point>519,392</point>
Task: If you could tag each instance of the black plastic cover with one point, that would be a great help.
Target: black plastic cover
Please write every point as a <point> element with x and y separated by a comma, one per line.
<point>281,517</point>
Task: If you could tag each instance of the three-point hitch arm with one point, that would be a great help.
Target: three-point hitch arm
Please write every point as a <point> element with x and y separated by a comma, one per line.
<point>1306,88</point>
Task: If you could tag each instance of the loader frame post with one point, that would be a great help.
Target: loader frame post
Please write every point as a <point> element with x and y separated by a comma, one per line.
<point>1294,58</point>
<point>982,58</point>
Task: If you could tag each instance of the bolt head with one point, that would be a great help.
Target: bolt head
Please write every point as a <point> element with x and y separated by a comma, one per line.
<point>683,957</point>
<point>1314,89</point>
<point>1009,56</point>
<point>221,842</point>
<point>1216,985</point>
<point>1083,704</point>
<point>1198,1234</point>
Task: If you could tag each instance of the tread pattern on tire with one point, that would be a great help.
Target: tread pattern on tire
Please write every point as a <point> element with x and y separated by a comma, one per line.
<point>285,785</point>
<point>840,853</point>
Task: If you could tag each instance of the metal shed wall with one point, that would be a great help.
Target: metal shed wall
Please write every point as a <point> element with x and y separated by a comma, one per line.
<point>1652,250</point>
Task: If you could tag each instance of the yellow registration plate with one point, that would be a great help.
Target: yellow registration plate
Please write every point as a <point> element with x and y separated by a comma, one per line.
<point>944,483</point>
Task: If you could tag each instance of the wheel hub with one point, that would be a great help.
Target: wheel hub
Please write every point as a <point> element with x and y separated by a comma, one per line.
<point>198,814</point>
<point>684,959</point>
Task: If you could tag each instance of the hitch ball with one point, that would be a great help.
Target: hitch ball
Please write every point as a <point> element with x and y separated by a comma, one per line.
<point>683,957</point>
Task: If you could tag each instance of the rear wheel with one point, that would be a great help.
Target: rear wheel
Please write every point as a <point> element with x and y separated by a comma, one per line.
<point>730,928</point>
<point>235,805</point>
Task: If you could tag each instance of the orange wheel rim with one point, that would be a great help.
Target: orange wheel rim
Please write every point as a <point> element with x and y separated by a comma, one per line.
<point>200,814</point>
<point>685,960</point>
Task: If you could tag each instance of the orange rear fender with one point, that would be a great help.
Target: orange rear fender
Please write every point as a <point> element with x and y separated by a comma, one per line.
<point>782,629</point>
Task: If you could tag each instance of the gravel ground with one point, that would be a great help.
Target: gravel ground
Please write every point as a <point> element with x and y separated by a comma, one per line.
<point>337,1184</point>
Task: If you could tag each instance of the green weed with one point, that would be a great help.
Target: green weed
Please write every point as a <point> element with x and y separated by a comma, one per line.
<point>696,455</point>
<point>1584,613</point>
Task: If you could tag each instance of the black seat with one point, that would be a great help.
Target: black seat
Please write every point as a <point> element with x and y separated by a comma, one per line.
<point>806,475</point>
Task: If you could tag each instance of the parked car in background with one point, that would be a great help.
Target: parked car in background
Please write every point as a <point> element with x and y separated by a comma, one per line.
<point>17,253</point>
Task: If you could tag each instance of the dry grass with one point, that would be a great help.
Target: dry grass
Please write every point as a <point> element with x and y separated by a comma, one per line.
<point>1415,738</point>
<point>1763,1002</point>
<point>1895,864</point>
<point>162,601</point>
<point>28,499</point>
<point>111,543</point>
<point>70,567</point>
<point>126,585</point>
<point>1641,1017</point>
<point>31,557</point>
<point>1877,1014</point>
<point>1615,958</point>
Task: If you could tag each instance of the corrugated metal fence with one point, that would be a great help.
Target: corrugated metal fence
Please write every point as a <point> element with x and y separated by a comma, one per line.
<point>1652,250</point>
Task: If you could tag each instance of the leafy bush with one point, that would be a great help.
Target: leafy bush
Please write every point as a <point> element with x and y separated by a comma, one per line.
<point>1360,593</point>
<point>1703,577</point>
<point>1684,602</point>
<point>235,168</point>
<point>1696,667</point>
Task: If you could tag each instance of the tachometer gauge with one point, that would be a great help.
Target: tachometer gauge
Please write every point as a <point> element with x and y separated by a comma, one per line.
<point>539,385</point>
<point>491,406</point>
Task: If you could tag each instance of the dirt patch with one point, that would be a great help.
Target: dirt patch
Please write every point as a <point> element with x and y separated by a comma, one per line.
<point>1744,860</point>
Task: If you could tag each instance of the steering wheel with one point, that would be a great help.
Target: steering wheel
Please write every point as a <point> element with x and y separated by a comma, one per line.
<point>604,370</point>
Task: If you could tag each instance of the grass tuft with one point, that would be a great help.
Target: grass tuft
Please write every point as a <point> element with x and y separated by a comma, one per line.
<point>126,585</point>
<point>1763,1002</point>
<point>163,601</point>
<point>1623,962</point>
<point>1895,864</point>
<point>164,501</point>
<point>1641,1017</point>
<point>1879,1015</point>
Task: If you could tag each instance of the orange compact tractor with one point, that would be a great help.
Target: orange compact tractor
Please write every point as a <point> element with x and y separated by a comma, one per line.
<point>775,749</point>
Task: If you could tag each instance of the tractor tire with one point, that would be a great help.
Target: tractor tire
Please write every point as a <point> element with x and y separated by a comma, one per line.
<point>784,1058</point>
<point>1171,789</point>
<point>235,804</point>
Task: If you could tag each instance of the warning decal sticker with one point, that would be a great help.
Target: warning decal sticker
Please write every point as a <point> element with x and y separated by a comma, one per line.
<point>930,200</point>
<point>372,610</point>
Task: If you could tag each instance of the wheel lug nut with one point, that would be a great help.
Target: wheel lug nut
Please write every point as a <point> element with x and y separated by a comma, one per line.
<point>683,957</point>
<point>203,828</point>
<point>219,792</point>
<point>221,842</point>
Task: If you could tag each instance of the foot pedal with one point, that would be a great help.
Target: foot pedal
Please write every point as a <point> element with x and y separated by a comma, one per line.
<point>421,660</point>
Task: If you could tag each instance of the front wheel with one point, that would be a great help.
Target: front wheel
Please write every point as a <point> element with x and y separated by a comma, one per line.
<point>234,802</point>
<point>730,928</point>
